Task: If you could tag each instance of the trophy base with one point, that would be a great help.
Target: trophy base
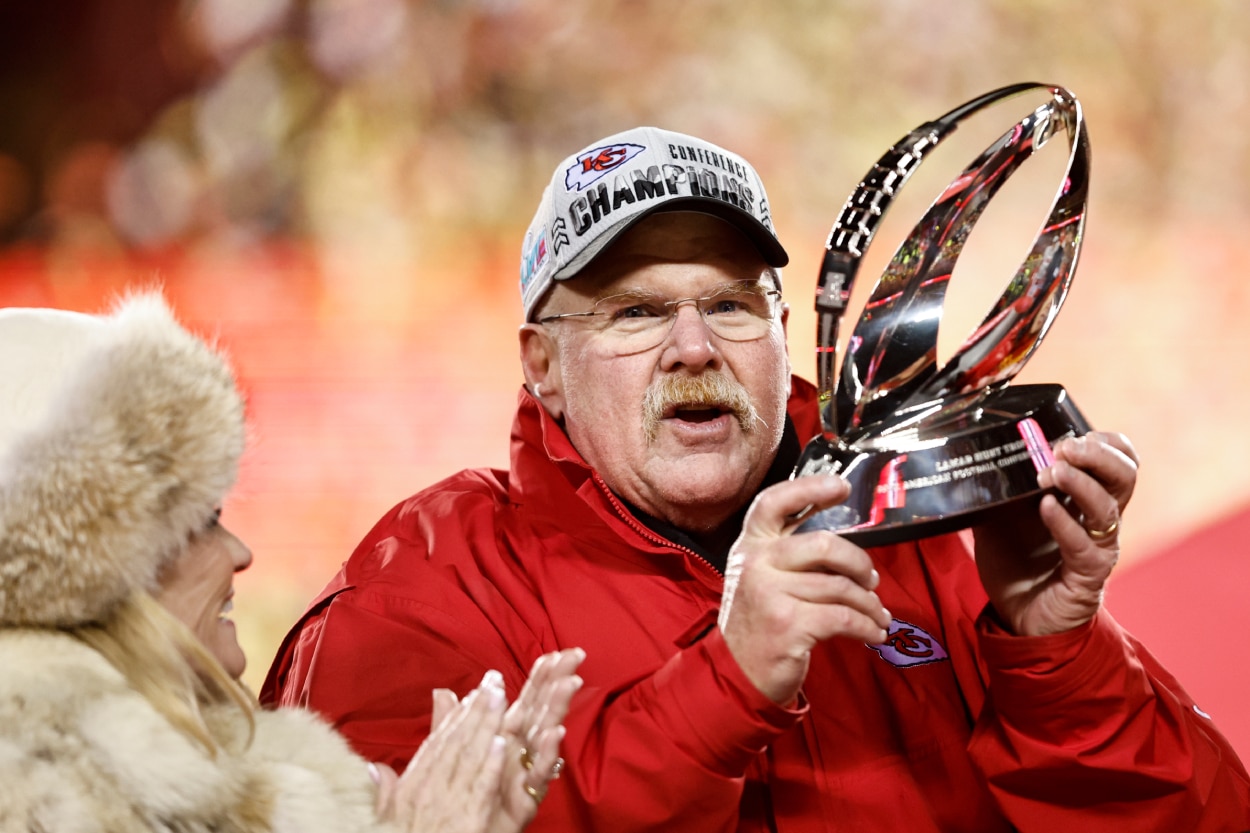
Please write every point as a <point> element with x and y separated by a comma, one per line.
<point>938,467</point>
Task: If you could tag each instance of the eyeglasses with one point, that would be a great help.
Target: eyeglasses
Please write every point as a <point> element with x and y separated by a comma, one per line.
<point>634,321</point>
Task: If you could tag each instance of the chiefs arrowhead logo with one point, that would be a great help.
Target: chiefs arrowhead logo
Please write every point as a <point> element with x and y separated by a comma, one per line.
<point>598,162</point>
<point>907,645</point>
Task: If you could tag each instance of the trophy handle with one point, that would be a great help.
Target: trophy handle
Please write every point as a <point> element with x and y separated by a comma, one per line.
<point>889,364</point>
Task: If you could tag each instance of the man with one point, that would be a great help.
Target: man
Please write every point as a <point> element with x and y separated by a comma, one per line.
<point>903,688</point>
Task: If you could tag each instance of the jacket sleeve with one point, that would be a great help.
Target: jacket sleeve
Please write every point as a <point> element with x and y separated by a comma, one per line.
<point>1085,728</point>
<point>636,752</point>
<point>671,751</point>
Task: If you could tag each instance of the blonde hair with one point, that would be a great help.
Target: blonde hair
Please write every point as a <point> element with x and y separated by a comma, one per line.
<point>162,660</point>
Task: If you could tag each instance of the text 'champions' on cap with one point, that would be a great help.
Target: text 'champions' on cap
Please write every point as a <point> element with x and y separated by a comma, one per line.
<point>599,192</point>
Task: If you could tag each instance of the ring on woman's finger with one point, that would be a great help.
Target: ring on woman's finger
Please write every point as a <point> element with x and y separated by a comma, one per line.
<point>1102,534</point>
<point>526,760</point>
<point>557,768</point>
<point>534,793</point>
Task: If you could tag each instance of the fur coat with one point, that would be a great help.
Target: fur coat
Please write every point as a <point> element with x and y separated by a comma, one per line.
<point>81,752</point>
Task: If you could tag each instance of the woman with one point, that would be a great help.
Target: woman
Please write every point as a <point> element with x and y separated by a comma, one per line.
<point>120,706</point>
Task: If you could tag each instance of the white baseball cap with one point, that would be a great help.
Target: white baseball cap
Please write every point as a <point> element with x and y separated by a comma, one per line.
<point>596,194</point>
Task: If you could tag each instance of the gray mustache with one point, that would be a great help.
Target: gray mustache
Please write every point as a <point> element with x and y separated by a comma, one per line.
<point>710,388</point>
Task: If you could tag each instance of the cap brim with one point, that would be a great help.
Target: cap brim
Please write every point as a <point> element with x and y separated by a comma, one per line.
<point>767,244</point>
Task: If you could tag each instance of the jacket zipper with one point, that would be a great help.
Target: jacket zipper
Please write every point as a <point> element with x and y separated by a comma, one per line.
<point>632,522</point>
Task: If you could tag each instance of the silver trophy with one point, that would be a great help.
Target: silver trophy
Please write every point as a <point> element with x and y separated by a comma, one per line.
<point>929,450</point>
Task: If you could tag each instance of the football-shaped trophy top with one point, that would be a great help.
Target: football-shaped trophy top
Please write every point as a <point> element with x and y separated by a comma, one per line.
<point>928,449</point>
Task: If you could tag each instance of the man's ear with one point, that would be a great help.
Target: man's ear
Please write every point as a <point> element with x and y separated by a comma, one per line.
<point>540,362</point>
<point>785,333</point>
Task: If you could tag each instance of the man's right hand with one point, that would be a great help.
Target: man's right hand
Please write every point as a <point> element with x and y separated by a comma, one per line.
<point>784,593</point>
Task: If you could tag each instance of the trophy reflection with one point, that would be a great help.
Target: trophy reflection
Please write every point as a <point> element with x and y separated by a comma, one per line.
<point>929,449</point>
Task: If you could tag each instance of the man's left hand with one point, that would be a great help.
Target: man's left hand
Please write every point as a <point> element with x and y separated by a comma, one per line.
<point>1045,564</point>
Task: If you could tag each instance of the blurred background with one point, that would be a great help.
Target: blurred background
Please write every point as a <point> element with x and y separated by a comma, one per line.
<point>338,189</point>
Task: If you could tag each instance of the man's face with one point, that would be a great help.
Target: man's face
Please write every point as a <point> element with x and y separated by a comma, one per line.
<point>717,406</point>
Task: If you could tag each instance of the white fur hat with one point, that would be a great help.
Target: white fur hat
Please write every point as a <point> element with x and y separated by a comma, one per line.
<point>119,437</point>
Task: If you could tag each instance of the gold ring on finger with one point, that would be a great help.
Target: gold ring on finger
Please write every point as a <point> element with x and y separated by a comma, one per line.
<point>534,793</point>
<point>1102,534</point>
<point>526,760</point>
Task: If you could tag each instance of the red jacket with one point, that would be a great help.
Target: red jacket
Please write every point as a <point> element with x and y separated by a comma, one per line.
<point>952,725</point>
